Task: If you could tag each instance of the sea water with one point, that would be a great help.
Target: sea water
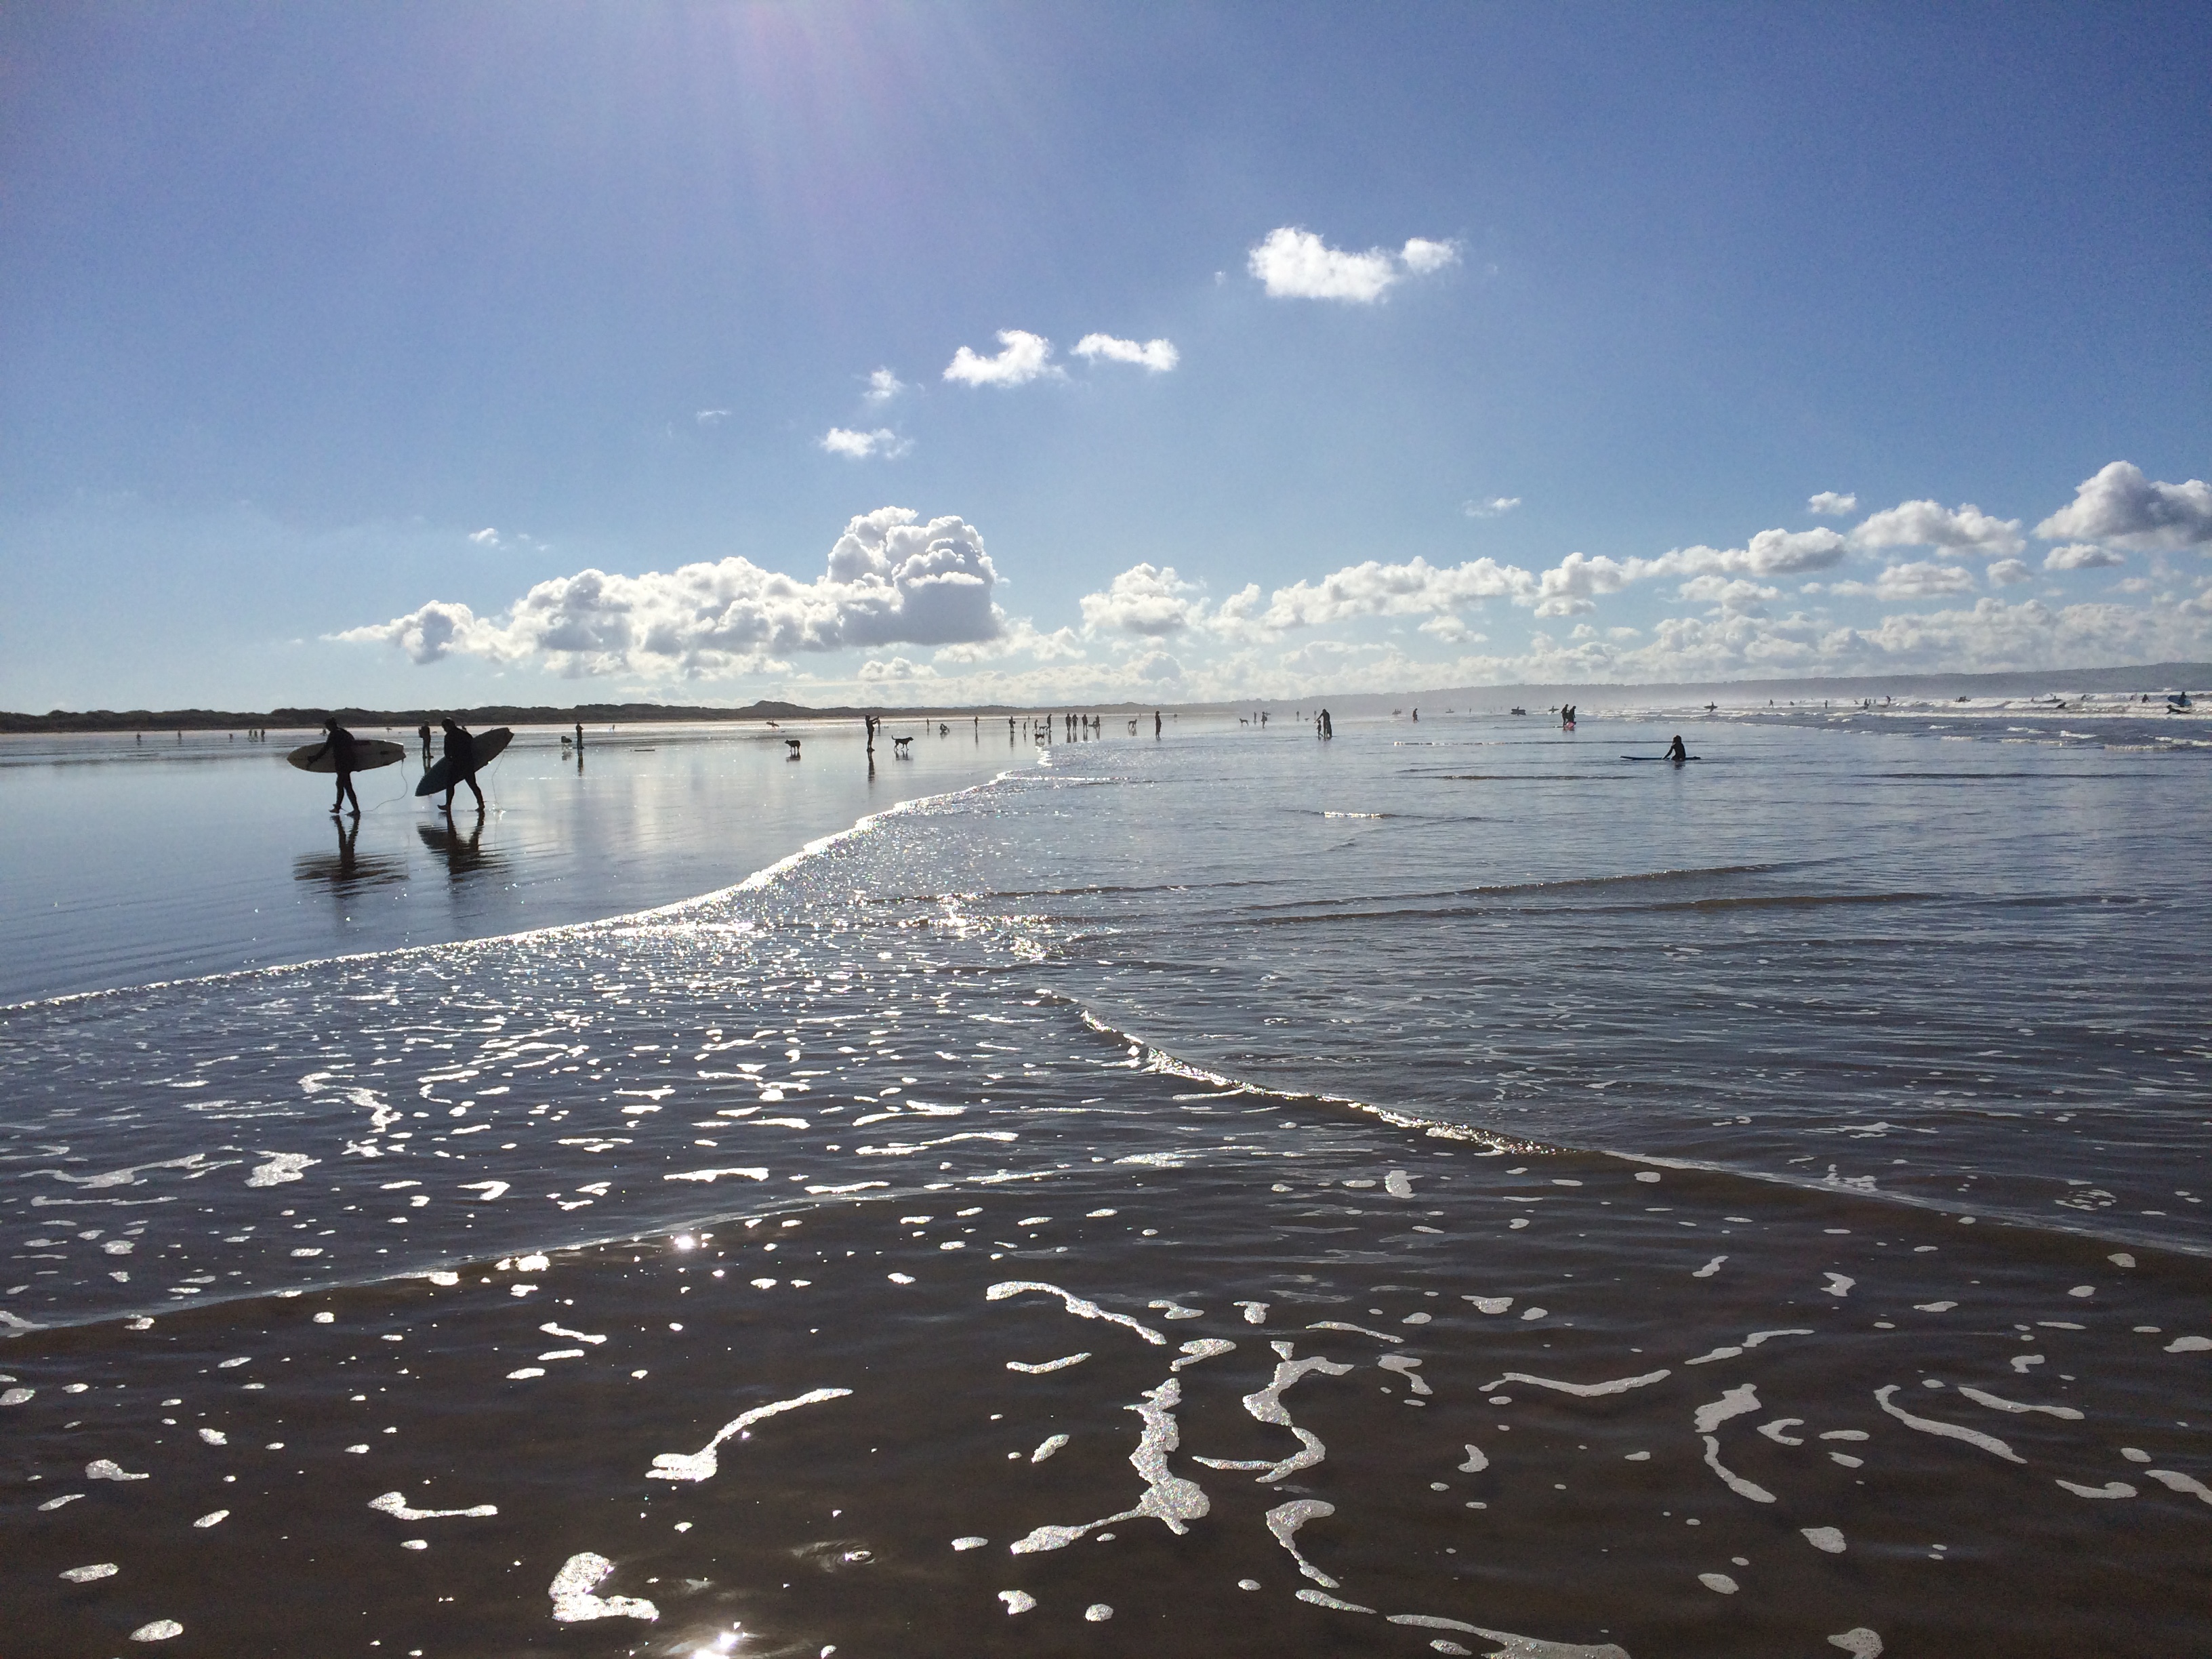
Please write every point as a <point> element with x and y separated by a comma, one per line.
<point>1448,1188</point>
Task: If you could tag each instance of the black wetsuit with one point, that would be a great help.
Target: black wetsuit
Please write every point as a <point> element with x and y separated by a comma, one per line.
<point>345,755</point>
<point>461,759</point>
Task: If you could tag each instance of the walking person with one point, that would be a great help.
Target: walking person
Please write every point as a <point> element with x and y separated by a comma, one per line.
<point>339,744</point>
<point>461,761</point>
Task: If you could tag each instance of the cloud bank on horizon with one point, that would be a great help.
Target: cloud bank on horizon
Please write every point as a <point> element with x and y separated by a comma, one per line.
<point>1787,602</point>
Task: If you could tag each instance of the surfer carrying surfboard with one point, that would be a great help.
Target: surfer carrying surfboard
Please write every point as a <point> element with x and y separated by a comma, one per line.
<point>460,759</point>
<point>339,744</point>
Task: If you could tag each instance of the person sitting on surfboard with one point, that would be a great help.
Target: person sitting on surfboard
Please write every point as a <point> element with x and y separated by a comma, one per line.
<point>1675,752</point>
<point>338,745</point>
<point>461,760</point>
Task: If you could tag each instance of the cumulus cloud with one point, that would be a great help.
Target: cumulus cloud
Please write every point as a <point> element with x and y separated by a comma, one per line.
<point>897,668</point>
<point>891,579</point>
<point>1147,601</point>
<point>1832,504</point>
<point>858,445</point>
<point>1023,357</point>
<point>1731,593</point>
<point>1917,581</point>
<point>2081,555</point>
<point>1158,356</point>
<point>1965,529</point>
<point>1496,506</point>
<point>1293,264</point>
<point>1769,553</point>
<point>492,541</point>
<point>2009,573</point>
<point>2120,505</point>
<point>882,386</point>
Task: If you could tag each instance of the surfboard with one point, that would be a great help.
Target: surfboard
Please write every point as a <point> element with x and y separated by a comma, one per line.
<point>489,745</point>
<point>1661,757</point>
<point>369,753</point>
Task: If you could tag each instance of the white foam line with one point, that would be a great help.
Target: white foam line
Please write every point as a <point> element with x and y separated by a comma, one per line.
<point>1265,1404</point>
<point>1339,1325</point>
<point>1042,1366</point>
<point>2173,1481</point>
<point>1733,1402</point>
<point>395,1504</point>
<point>1582,1390</point>
<point>1734,1482</point>
<point>1285,1520</point>
<point>1169,1499</point>
<point>1074,1304</point>
<point>702,1464</point>
<point>573,1600</point>
<point>1988,1442</point>
<point>1997,1403</point>
<point>710,1175</point>
<point>1513,1646</point>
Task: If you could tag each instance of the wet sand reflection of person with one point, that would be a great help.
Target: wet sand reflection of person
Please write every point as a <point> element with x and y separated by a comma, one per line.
<point>345,868</point>
<point>463,852</point>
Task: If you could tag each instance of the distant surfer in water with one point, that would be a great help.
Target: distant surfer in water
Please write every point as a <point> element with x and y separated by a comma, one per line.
<point>461,757</point>
<point>338,745</point>
<point>1675,752</point>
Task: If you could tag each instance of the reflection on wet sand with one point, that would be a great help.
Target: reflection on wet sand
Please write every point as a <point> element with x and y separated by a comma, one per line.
<point>462,849</point>
<point>346,868</point>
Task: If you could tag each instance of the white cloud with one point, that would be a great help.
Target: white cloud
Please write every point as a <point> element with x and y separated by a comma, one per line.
<point>493,542</point>
<point>1147,601</point>
<point>890,579</point>
<point>2120,505</point>
<point>882,386</point>
<point>1832,504</point>
<point>712,417</point>
<point>2008,573</point>
<point>1451,630</point>
<point>1769,553</point>
<point>858,445</point>
<point>1375,589</point>
<point>1023,357</point>
<point>1018,637</point>
<point>898,668</point>
<point>1496,506</point>
<point>1733,594</point>
<point>1965,529</point>
<point>1297,265</point>
<point>1158,356</point>
<point>1420,256</point>
<point>2081,555</point>
<point>1917,581</point>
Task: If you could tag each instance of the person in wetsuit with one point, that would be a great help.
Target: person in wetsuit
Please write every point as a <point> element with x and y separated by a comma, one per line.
<point>1675,752</point>
<point>339,744</point>
<point>461,757</point>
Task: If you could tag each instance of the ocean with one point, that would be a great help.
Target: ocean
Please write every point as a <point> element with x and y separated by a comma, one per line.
<point>1451,1188</point>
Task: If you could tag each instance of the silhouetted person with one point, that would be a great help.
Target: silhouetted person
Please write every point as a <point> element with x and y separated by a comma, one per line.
<point>580,737</point>
<point>1675,752</point>
<point>1327,725</point>
<point>338,745</point>
<point>1156,722</point>
<point>423,732</point>
<point>461,759</point>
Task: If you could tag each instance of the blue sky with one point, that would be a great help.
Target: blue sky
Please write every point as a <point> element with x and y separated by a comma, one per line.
<point>459,353</point>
